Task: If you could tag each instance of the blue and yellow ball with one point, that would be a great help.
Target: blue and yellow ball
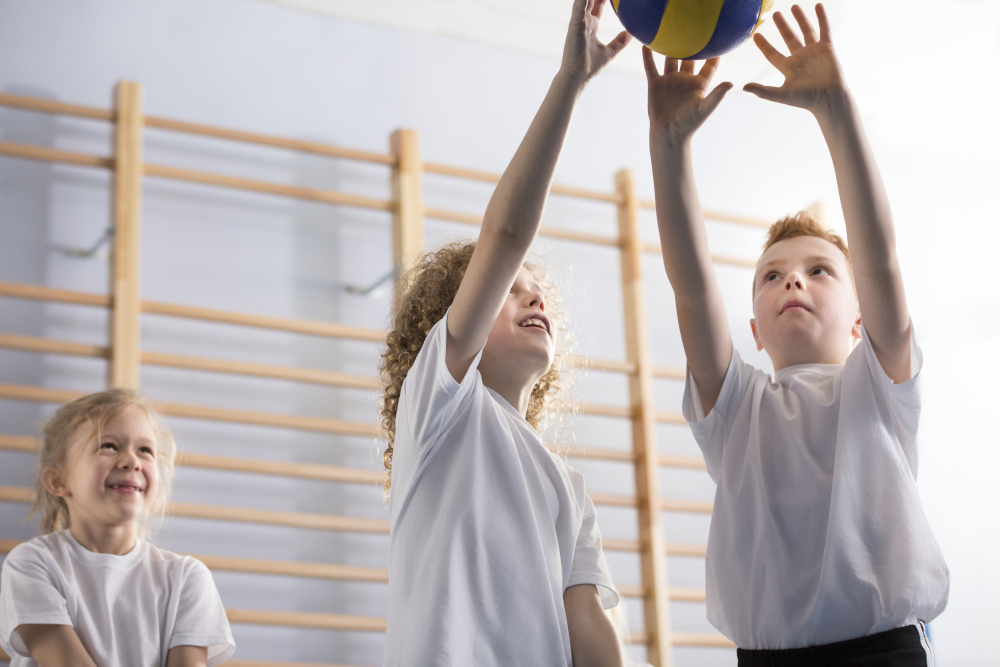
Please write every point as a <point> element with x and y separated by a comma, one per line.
<point>692,29</point>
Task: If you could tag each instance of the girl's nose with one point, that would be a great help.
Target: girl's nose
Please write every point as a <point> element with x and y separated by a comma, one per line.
<point>128,461</point>
<point>534,299</point>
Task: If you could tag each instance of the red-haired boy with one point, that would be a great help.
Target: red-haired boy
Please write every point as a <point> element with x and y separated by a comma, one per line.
<point>819,552</point>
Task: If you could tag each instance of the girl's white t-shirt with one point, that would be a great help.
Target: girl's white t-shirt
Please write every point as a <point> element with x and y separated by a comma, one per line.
<point>818,534</point>
<point>127,610</point>
<point>487,528</point>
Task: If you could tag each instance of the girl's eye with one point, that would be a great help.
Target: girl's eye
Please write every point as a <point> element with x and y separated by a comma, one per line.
<point>109,445</point>
<point>146,450</point>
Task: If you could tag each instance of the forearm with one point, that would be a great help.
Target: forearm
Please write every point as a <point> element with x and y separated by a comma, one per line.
<point>55,646</point>
<point>515,210</point>
<point>870,230</point>
<point>592,637</point>
<point>701,312</point>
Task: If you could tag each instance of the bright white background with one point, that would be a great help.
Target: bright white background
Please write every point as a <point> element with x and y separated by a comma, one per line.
<point>468,74</point>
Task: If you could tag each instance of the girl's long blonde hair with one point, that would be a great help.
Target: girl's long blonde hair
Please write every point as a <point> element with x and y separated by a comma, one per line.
<point>428,290</point>
<point>94,412</point>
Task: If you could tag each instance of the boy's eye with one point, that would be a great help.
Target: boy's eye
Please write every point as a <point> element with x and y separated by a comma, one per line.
<point>769,277</point>
<point>820,270</point>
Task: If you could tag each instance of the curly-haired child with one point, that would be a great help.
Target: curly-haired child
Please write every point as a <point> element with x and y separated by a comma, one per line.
<point>494,551</point>
<point>819,552</point>
<point>91,590</point>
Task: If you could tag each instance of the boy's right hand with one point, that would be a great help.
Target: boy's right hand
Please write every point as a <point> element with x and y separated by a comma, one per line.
<point>678,104</point>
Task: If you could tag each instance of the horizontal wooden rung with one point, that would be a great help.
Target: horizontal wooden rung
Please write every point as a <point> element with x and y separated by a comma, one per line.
<point>310,375</point>
<point>311,327</point>
<point>48,345</point>
<point>666,504</point>
<point>42,293</point>
<point>607,365</point>
<point>43,154</point>
<point>303,619</point>
<point>53,107</point>
<point>296,422</point>
<point>701,639</point>
<point>670,549</point>
<point>298,145</point>
<point>493,177</point>
<point>293,191</point>
<point>551,232</point>
<point>17,494</point>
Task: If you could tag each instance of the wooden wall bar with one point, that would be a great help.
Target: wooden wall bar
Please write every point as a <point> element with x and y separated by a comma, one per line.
<point>125,355</point>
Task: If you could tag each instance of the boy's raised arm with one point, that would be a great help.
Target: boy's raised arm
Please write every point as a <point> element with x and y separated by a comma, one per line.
<point>515,210</point>
<point>677,107</point>
<point>814,81</point>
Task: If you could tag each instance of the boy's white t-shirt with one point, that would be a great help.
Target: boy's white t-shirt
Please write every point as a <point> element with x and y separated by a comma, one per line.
<point>127,610</point>
<point>487,528</point>
<point>818,534</point>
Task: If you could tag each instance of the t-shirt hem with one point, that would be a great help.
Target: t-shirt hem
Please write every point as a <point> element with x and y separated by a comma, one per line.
<point>605,587</point>
<point>224,645</point>
<point>14,643</point>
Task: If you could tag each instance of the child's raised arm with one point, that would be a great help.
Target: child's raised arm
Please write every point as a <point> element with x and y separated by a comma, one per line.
<point>515,210</point>
<point>814,81</point>
<point>677,107</point>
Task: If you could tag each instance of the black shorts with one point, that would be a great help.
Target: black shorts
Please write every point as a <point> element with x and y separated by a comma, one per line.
<point>902,647</point>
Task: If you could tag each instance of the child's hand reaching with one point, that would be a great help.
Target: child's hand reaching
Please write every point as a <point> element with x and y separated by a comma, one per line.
<point>677,101</point>
<point>813,78</point>
<point>584,55</point>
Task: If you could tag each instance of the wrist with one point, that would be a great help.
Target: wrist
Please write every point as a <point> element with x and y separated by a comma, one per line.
<point>569,79</point>
<point>834,108</point>
<point>665,142</point>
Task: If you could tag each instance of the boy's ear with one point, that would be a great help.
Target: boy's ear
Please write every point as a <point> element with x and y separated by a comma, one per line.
<point>856,329</point>
<point>753,328</point>
<point>54,482</point>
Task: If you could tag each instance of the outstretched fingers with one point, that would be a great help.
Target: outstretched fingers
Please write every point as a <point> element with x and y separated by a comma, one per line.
<point>708,69</point>
<point>787,34</point>
<point>824,23</point>
<point>687,66</point>
<point>714,98</point>
<point>649,64</point>
<point>618,43</point>
<point>773,55</point>
<point>808,34</point>
<point>596,7</point>
<point>769,93</point>
<point>670,65</point>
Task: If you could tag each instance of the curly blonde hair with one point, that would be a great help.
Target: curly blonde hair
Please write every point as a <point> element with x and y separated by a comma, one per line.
<point>428,290</point>
<point>94,412</point>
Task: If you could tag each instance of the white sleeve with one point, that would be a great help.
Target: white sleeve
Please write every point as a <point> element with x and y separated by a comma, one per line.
<point>28,595</point>
<point>903,399</point>
<point>589,564</point>
<point>430,394</point>
<point>710,431</point>
<point>201,618</point>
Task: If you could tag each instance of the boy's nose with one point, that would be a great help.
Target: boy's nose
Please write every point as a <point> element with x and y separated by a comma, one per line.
<point>793,279</point>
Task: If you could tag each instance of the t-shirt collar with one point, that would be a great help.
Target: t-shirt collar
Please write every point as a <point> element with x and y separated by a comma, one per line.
<point>113,561</point>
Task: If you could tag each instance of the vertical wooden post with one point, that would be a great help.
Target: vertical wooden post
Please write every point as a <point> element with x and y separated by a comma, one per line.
<point>407,196</point>
<point>652,547</point>
<point>123,371</point>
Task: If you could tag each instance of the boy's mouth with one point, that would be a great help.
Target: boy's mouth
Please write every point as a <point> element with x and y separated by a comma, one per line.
<point>536,320</point>
<point>794,305</point>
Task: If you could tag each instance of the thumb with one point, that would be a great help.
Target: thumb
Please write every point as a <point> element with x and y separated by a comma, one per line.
<point>714,98</point>
<point>769,93</point>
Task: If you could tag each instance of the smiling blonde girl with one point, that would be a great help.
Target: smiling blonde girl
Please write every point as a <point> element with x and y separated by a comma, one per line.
<point>91,591</point>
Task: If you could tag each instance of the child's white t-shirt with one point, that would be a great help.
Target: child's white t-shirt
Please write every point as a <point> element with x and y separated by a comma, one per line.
<point>487,528</point>
<point>818,534</point>
<point>127,610</point>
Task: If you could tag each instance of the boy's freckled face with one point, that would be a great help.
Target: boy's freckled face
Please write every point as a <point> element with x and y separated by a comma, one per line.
<point>523,332</point>
<point>805,307</point>
<point>114,479</point>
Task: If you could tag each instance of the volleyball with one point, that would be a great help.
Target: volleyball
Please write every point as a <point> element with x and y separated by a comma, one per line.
<point>692,29</point>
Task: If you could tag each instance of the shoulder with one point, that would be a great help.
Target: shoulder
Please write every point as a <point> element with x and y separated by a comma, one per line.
<point>42,549</point>
<point>174,564</point>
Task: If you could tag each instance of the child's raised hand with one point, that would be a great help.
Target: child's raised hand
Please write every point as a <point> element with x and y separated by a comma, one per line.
<point>678,104</point>
<point>584,55</point>
<point>812,72</point>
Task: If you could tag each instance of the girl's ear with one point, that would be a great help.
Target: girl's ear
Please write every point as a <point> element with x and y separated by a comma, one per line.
<point>856,329</point>
<point>54,483</point>
<point>753,328</point>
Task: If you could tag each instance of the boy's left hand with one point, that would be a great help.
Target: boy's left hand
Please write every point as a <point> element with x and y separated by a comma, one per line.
<point>813,78</point>
<point>584,55</point>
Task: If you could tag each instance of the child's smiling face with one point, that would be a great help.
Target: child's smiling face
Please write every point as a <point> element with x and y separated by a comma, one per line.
<point>523,334</point>
<point>112,480</point>
<point>805,306</point>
